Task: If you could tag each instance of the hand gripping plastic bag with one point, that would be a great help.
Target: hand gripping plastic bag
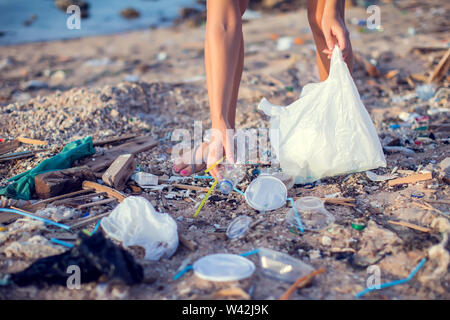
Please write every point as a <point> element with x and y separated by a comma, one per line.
<point>136,222</point>
<point>327,131</point>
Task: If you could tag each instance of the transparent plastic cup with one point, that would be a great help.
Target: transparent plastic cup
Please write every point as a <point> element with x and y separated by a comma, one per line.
<point>312,214</point>
<point>238,227</point>
<point>266,193</point>
<point>282,266</point>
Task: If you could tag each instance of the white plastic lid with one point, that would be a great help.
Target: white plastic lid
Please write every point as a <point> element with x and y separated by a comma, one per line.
<point>266,193</point>
<point>223,267</point>
<point>238,227</point>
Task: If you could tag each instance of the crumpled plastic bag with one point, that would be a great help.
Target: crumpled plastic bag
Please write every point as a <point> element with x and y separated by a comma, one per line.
<point>23,185</point>
<point>136,222</point>
<point>327,131</point>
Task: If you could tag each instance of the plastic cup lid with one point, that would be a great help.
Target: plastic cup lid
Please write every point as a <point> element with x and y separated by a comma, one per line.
<point>238,227</point>
<point>266,193</point>
<point>223,267</point>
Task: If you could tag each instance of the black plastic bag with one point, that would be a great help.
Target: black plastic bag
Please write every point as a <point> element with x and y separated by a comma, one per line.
<point>96,257</point>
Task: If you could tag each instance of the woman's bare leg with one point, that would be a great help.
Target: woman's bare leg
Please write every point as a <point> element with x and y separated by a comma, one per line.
<point>224,57</point>
<point>238,72</point>
<point>315,14</point>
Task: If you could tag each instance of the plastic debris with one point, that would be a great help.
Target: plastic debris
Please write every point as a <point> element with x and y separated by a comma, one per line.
<point>323,153</point>
<point>284,43</point>
<point>136,222</point>
<point>145,179</point>
<point>281,266</point>
<point>238,227</point>
<point>95,256</point>
<point>223,267</point>
<point>358,226</point>
<point>312,212</point>
<point>426,91</point>
<point>266,193</point>
<point>375,177</point>
<point>393,283</point>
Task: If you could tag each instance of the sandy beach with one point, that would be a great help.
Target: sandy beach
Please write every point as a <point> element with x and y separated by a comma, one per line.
<point>151,82</point>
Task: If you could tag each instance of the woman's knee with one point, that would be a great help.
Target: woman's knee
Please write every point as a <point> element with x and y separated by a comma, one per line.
<point>223,26</point>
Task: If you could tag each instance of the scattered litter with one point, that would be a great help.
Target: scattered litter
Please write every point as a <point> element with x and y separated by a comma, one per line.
<point>95,256</point>
<point>238,227</point>
<point>323,154</point>
<point>231,175</point>
<point>145,179</point>
<point>266,193</point>
<point>358,226</point>
<point>34,248</point>
<point>312,212</point>
<point>411,179</point>
<point>161,56</point>
<point>34,85</point>
<point>281,266</point>
<point>300,283</point>
<point>284,43</point>
<point>98,62</point>
<point>135,222</point>
<point>393,283</point>
<point>399,149</point>
<point>23,185</point>
<point>131,78</point>
<point>374,177</point>
<point>223,267</point>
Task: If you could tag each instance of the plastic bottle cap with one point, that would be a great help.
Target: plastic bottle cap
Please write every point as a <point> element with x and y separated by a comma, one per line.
<point>225,186</point>
<point>223,267</point>
<point>238,227</point>
<point>266,193</point>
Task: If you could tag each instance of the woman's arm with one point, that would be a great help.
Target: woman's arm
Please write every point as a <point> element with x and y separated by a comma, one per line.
<point>334,29</point>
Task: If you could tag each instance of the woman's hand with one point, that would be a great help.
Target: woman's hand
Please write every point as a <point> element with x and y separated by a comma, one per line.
<point>335,31</point>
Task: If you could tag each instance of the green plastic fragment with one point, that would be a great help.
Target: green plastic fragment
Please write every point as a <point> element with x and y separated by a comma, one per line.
<point>358,227</point>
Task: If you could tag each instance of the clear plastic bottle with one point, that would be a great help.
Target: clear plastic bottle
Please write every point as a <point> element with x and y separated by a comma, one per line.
<point>231,175</point>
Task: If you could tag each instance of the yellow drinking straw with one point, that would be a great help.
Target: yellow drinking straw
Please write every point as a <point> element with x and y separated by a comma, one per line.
<point>205,198</point>
<point>210,189</point>
<point>215,164</point>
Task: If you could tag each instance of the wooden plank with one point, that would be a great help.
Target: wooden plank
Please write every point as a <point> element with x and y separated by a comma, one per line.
<point>100,188</point>
<point>438,201</point>
<point>189,187</point>
<point>6,147</point>
<point>55,183</point>
<point>32,141</point>
<point>96,203</point>
<point>411,179</point>
<point>370,68</point>
<point>409,225</point>
<point>441,69</point>
<point>191,245</point>
<point>72,201</point>
<point>99,162</point>
<point>87,221</point>
<point>124,137</point>
<point>120,171</point>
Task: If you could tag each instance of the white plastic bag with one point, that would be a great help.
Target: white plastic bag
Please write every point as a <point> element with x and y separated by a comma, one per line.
<point>327,131</point>
<point>136,222</point>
